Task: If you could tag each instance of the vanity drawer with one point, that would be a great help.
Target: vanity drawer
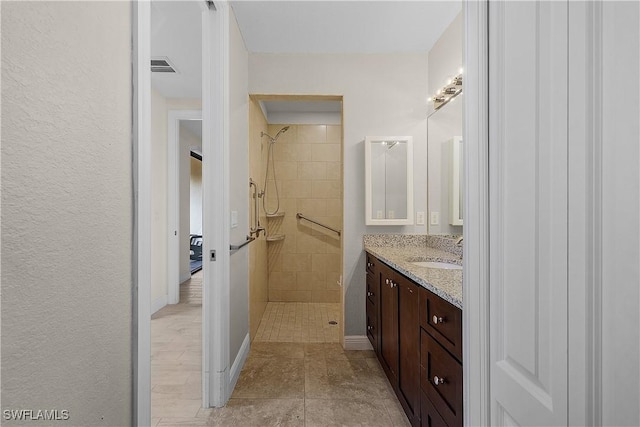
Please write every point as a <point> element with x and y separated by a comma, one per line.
<point>429,416</point>
<point>442,320</point>
<point>441,379</point>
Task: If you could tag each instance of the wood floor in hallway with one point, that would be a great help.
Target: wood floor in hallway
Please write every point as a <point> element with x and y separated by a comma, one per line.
<point>282,383</point>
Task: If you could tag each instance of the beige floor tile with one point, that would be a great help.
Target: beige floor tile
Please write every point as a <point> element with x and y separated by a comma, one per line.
<point>346,412</point>
<point>396,413</point>
<point>283,350</point>
<point>345,379</point>
<point>172,407</point>
<point>271,378</point>
<point>184,422</point>
<point>299,322</point>
<point>260,412</point>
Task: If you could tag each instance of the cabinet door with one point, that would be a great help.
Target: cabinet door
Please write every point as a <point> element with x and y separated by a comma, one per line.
<point>373,301</point>
<point>388,323</point>
<point>409,345</point>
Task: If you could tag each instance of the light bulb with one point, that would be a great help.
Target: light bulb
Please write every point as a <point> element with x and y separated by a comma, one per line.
<point>461,70</point>
<point>448,82</point>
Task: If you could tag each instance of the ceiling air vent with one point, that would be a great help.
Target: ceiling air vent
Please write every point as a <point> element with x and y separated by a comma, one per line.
<point>162,65</point>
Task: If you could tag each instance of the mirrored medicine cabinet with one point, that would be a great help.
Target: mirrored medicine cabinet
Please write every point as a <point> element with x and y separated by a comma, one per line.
<point>389,180</point>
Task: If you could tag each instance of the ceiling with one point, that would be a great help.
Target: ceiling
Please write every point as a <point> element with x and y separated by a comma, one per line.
<point>176,33</point>
<point>275,26</point>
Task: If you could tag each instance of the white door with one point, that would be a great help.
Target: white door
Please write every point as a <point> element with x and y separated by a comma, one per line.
<point>528,212</point>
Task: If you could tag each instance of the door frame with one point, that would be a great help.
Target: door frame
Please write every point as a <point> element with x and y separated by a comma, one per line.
<point>475,289</point>
<point>215,119</point>
<point>173,200</point>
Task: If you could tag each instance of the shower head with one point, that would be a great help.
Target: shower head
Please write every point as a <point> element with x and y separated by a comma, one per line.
<point>281,131</point>
<point>273,139</point>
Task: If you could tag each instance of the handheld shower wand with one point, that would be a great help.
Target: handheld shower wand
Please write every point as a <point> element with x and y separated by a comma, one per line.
<point>273,139</point>
<point>270,160</point>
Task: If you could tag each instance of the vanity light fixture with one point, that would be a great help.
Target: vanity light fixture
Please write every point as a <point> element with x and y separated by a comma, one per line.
<point>448,92</point>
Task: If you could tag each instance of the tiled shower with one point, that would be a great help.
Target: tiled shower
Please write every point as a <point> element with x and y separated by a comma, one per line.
<point>297,261</point>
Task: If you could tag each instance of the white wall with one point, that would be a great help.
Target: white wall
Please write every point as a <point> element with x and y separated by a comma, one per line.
<point>158,200</point>
<point>160,107</point>
<point>383,95</point>
<point>239,186</point>
<point>188,140</point>
<point>445,57</point>
<point>195,188</point>
<point>67,210</point>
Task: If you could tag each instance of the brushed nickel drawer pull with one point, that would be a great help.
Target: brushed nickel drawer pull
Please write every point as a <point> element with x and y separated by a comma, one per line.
<point>437,319</point>
<point>438,380</point>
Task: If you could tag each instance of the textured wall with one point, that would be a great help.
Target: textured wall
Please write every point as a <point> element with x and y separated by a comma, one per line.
<point>67,210</point>
<point>305,266</point>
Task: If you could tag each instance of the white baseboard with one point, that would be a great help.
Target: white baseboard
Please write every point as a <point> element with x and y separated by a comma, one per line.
<point>357,342</point>
<point>234,373</point>
<point>158,303</point>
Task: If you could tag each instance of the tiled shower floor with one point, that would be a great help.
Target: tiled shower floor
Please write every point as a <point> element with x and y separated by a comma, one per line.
<point>299,322</point>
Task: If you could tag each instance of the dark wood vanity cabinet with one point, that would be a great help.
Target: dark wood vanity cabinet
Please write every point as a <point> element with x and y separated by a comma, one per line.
<point>388,324</point>
<point>373,301</point>
<point>408,347</point>
<point>417,337</point>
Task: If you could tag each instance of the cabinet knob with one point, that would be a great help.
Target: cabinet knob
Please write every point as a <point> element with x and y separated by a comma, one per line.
<point>437,319</point>
<point>369,264</point>
<point>369,294</point>
<point>369,327</point>
<point>386,281</point>
<point>438,380</point>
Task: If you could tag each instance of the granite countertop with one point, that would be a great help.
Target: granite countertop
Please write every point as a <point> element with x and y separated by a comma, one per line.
<point>447,284</point>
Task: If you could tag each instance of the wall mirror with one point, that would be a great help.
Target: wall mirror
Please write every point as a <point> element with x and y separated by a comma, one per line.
<point>389,180</point>
<point>445,164</point>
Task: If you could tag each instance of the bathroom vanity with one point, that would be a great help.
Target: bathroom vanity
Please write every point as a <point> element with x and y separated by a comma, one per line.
<point>414,323</point>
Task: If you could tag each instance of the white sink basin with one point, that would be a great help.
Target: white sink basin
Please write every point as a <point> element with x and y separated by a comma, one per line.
<point>434,264</point>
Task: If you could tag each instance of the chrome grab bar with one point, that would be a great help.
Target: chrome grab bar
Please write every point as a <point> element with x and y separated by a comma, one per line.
<point>255,227</point>
<point>241,245</point>
<point>301,216</point>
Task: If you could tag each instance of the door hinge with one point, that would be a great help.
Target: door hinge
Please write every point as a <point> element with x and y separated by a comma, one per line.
<point>212,256</point>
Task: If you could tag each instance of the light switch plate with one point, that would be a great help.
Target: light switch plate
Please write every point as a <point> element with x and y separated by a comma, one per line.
<point>435,218</point>
<point>420,218</point>
<point>234,219</point>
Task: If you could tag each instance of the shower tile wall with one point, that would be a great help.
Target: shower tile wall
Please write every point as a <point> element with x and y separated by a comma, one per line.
<point>258,272</point>
<point>306,265</point>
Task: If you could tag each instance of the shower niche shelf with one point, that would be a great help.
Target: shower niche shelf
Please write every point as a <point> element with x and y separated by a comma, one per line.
<point>275,238</point>
<point>276,215</point>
